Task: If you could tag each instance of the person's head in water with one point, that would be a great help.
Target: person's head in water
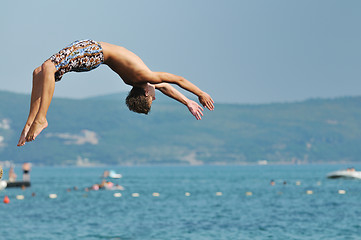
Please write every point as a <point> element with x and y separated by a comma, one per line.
<point>140,99</point>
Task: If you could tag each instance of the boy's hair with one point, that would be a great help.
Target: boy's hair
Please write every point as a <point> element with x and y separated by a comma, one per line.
<point>137,101</point>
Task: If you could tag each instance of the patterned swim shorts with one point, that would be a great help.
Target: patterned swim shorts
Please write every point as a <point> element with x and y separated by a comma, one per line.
<point>80,56</point>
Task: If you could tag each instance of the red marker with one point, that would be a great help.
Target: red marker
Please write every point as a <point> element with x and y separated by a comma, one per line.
<point>6,200</point>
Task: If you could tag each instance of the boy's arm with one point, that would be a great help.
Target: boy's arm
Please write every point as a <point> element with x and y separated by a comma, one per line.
<point>170,91</point>
<point>163,77</point>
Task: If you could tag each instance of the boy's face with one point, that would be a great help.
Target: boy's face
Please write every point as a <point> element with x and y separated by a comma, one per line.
<point>150,91</point>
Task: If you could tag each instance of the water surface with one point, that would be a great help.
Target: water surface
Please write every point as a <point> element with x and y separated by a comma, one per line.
<point>224,202</point>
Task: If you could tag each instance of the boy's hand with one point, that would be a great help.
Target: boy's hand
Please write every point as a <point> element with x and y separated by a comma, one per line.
<point>195,109</point>
<point>206,101</point>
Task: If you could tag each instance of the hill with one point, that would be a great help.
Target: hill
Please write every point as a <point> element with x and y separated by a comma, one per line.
<point>103,131</point>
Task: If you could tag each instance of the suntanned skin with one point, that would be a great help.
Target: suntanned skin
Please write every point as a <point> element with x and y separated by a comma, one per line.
<point>170,91</point>
<point>130,68</point>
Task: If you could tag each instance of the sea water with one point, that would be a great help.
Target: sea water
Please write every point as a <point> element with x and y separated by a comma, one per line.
<point>204,202</point>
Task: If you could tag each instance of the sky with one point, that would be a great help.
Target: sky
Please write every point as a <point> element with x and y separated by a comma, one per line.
<point>255,51</point>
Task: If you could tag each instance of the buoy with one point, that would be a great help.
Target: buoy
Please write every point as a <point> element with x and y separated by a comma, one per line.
<point>53,195</point>
<point>3,185</point>
<point>249,193</point>
<point>117,194</point>
<point>341,192</point>
<point>20,197</point>
<point>309,192</point>
<point>155,194</point>
<point>219,193</point>
<point>298,183</point>
<point>6,200</point>
<point>135,194</point>
<point>187,194</point>
<point>1,172</point>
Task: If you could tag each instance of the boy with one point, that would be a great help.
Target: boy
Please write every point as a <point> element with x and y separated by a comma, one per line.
<point>86,55</point>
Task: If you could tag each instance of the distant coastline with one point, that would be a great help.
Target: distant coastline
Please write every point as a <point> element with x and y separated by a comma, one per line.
<point>103,131</point>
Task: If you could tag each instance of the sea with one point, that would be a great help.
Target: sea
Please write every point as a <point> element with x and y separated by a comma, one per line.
<point>184,202</point>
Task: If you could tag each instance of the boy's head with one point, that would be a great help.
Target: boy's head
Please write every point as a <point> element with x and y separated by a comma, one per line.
<point>140,99</point>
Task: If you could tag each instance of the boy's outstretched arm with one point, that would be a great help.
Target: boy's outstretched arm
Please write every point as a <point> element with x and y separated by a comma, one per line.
<point>163,77</point>
<point>170,91</point>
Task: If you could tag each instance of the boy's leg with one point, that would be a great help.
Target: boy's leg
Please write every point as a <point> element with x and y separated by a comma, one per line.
<point>34,104</point>
<point>47,82</point>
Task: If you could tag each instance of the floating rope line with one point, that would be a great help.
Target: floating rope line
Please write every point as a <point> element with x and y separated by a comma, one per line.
<point>1,172</point>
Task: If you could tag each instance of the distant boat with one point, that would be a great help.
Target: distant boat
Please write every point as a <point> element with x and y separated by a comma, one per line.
<point>12,183</point>
<point>113,174</point>
<point>349,173</point>
<point>6,184</point>
<point>18,184</point>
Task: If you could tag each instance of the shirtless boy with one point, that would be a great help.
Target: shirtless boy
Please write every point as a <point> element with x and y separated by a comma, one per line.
<point>86,55</point>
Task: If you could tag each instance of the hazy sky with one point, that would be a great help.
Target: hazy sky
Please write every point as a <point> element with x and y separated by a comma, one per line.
<point>238,51</point>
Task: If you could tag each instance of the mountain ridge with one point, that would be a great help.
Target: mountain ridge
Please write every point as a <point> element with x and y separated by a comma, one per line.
<point>104,131</point>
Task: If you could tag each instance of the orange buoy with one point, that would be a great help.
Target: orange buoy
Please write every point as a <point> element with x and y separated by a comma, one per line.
<point>6,200</point>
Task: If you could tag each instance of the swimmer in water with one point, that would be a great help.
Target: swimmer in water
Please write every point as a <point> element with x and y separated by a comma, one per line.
<point>86,55</point>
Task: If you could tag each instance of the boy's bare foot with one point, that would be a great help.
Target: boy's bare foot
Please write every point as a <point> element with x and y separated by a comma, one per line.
<point>35,130</point>
<point>23,135</point>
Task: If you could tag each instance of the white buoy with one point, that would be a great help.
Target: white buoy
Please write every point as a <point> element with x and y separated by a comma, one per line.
<point>219,193</point>
<point>249,193</point>
<point>341,192</point>
<point>3,185</point>
<point>155,194</point>
<point>117,194</point>
<point>135,194</point>
<point>53,195</point>
<point>20,197</point>
<point>298,183</point>
<point>309,192</point>
<point>187,194</point>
